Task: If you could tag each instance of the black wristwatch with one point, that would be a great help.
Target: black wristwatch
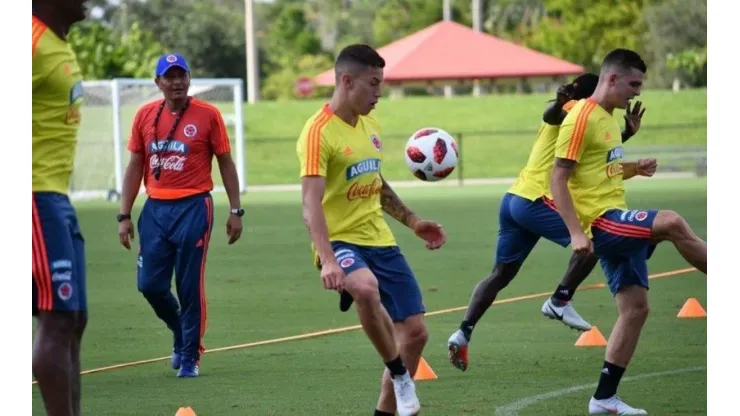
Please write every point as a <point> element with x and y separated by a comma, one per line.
<point>122,217</point>
<point>239,212</point>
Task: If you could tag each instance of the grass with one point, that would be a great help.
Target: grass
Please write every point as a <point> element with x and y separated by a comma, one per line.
<point>265,287</point>
<point>497,133</point>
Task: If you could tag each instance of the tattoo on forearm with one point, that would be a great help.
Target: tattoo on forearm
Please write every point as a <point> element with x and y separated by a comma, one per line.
<point>393,205</point>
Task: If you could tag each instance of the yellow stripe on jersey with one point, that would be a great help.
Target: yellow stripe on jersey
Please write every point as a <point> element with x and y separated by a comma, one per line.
<point>55,110</point>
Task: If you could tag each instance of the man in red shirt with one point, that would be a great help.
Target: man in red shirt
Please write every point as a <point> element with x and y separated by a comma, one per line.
<point>172,144</point>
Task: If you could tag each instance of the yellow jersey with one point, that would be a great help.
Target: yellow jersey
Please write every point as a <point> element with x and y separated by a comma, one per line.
<point>534,180</point>
<point>591,137</point>
<point>55,110</point>
<point>350,159</point>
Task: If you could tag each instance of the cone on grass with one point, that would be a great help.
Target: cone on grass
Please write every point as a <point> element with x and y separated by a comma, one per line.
<point>692,309</point>
<point>424,371</point>
<point>185,411</point>
<point>591,338</point>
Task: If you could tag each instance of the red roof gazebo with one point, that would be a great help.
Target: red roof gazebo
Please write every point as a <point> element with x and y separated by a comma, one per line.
<point>449,51</point>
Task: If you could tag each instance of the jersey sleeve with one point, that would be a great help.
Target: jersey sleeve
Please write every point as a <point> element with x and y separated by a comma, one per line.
<point>136,140</point>
<point>314,149</point>
<point>569,105</point>
<point>219,136</point>
<point>574,133</point>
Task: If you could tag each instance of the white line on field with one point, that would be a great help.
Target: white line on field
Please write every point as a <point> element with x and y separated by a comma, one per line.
<point>511,409</point>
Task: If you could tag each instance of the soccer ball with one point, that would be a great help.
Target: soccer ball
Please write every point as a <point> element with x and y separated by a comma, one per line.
<point>431,154</point>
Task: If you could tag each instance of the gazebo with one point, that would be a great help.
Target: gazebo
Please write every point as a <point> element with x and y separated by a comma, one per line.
<point>449,53</point>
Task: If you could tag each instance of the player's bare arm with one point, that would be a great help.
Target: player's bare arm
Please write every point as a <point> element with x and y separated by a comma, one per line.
<point>559,187</point>
<point>429,231</point>
<point>393,206</point>
<point>231,185</point>
<point>130,189</point>
<point>643,167</point>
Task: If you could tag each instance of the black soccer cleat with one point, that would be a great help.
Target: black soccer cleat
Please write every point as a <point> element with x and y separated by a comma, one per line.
<point>345,301</point>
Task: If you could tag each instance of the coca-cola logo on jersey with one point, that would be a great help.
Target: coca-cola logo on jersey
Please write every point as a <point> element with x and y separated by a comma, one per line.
<point>174,162</point>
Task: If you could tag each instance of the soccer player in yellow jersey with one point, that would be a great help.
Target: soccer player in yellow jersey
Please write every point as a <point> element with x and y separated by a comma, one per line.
<point>587,184</point>
<point>59,300</point>
<point>344,197</point>
<point>528,213</point>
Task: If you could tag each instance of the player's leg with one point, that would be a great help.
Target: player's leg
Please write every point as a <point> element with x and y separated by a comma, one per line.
<point>155,264</point>
<point>668,225</point>
<point>513,247</point>
<point>362,284</point>
<point>401,297</point>
<point>193,237</point>
<point>540,218</point>
<point>58,300</point>
<point>80,266</point>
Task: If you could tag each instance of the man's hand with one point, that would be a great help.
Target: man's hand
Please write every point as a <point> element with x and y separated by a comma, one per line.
<point>633,118</point>
<point>126,232</point>
<point>431,232</point>
<point>233,228</point>
<point>647,167</point>
<point>581,244</point>
<point>332,276</point>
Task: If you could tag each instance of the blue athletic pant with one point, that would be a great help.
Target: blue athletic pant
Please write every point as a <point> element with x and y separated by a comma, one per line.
<point>174,236</point>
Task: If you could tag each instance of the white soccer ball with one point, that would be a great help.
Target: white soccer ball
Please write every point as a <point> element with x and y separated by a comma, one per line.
<point>431,154</point>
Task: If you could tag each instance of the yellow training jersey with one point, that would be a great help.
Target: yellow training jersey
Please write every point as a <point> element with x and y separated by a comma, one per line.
<point>350,159</point>
<point>590,136</point>
<point>57,95</point>
<point>534,180</point>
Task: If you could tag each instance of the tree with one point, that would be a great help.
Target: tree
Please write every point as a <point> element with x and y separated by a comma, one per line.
<point>584,31</point>
<point>104,54</point>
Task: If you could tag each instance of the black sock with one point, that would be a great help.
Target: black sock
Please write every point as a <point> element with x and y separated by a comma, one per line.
<point>381,413</point>
<point>610,376</point>
<point>562,294</point>
<point>396,367</point>
<point>467,329</point>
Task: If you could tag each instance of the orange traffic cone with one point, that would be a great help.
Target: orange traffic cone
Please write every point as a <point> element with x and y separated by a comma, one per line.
<point>591,338</point>
<point>692,309</point>
<point>424,371</point>
<point>185,411</point>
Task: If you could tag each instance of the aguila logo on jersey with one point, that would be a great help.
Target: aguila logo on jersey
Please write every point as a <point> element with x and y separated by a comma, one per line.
<point>615,154</point>
<point>75,101</point>
<point>362,167</point>
<point>375,140</point>
<point>174,146</point>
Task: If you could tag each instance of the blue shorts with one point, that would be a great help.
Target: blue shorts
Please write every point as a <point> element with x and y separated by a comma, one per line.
<point>399,291</point>
<point>623,242</point>
<point>58,256</point>
<point>521,224</point>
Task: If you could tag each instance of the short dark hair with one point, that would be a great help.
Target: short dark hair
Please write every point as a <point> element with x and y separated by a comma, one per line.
<point>357,57</point>
<point>584,86</point>
<point>624,60</point>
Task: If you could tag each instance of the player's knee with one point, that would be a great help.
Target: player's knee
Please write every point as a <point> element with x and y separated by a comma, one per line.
<point>669,225</point>
<point>364,290</point>
<point>419,336</point>
<point>502,275</point>
<point>637,312</point>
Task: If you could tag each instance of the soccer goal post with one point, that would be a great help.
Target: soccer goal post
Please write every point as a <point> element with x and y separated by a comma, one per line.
<point>107,115</point>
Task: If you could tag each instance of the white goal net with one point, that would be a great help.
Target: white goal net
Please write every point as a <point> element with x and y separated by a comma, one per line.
<point>108,113</point>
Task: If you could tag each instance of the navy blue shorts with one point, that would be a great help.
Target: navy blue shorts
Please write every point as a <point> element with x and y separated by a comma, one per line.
<point>58,256</point>
<point>399,290</point>
<point>623,241</point>
<point>521,224</point>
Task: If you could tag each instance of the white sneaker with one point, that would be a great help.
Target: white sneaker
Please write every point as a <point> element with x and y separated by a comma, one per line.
<point>457,350</point>
<point>613,405</point>
<point>407,404</point>
<point>566,314</point>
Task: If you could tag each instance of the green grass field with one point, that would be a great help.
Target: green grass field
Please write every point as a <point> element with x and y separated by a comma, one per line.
<point>264,287</point>
<point>497,133</point>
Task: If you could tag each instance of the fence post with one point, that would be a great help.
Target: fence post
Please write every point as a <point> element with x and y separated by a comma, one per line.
<point>460,176</point>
